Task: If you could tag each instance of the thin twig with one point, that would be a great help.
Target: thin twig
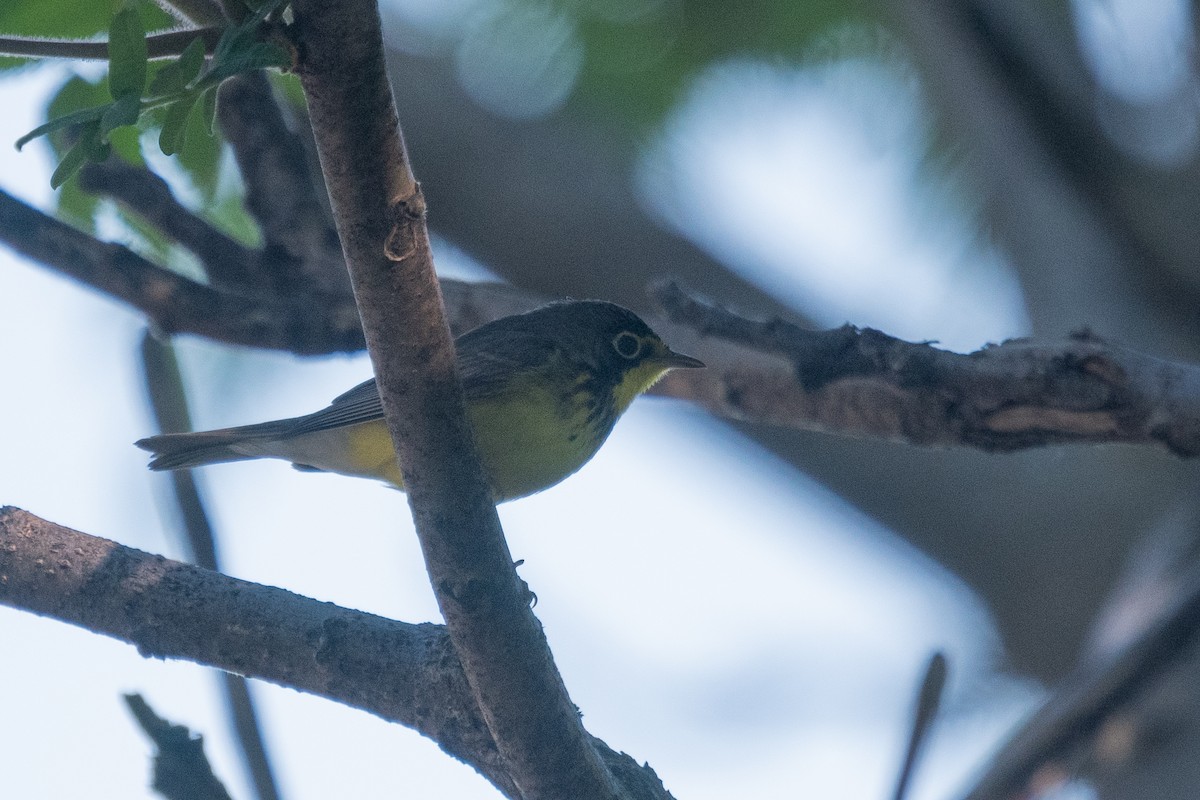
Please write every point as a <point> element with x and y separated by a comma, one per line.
<point>158,45</point>
<point>196,12</point>
<point>928,699</point>
<point>181,769</point>
<point>248,730</point>
<point>164,385</point>
<point>1077,712</point>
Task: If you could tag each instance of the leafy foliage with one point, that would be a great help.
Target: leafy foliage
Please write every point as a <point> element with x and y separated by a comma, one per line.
<point>179,88</point>
<point>640,54</point>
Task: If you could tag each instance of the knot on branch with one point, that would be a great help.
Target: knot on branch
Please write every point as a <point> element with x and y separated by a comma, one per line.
<point>406,214</point>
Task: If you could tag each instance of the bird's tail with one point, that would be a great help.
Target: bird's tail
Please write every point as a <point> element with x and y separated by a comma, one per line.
<point>186,450</point>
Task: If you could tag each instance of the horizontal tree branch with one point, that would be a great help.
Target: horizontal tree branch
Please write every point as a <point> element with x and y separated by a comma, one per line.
<point>158,45</point>
<point>1005,397</point>
<point>401,672</point>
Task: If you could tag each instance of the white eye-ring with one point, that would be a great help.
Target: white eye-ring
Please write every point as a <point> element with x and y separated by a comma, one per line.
<point>627,345</point>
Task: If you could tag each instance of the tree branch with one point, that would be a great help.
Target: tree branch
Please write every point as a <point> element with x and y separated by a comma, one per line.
<point>1021,394</point>
<point>380,215</point>
<point>227,262</point>
<point>176,304</point>
<point>197,12</point>
<point>1016,395</point>
<point>164,385</point>
<point>181,769</point>
<point>929,697</point>
<point>1076,717</point>
<point>305,324</point>
<point>158,46</point>
<point>403,673</point>
<point>283,189</point>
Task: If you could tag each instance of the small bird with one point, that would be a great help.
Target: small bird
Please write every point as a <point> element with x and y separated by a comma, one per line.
<point>543,391</point>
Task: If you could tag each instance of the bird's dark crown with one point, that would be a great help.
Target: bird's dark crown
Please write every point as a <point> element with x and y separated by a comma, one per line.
<point>587,327</point>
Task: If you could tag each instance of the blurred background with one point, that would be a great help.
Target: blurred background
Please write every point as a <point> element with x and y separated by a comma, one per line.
<point>747,609</point>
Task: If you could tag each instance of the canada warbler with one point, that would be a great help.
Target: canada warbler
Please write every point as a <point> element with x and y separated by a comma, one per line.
<point>543,390</point>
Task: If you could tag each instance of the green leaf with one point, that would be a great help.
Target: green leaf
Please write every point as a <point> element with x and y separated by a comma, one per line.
<point>237,37</point>
<point>87,147</point>
<point>200,159</point>
<point>287,86</point>
<point>78,206</point>
<point>229,214</point>
<point>74,95</point>
<point>176,76</point>
<point>251,56</point>
<point>124,111</point>
<point>127,143</point>
<point>127,56</point>
<point>86,116</point>
<point>174,130</point>
<point>208,109</point>
<point>239,49</point>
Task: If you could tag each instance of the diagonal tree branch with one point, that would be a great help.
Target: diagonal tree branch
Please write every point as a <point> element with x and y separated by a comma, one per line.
<point>283,189</point>
<point>1108,698</point>
<point>380,215</point>
<point>164,385</point>
<point>403,673</point>
<point>174,303</point>
<point>147,195</point>
<point>181,769</point>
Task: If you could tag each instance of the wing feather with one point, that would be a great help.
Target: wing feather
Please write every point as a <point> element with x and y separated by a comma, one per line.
<point>488,363</point>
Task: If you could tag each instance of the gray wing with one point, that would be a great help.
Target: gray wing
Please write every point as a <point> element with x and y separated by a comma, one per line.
<point>360,404</point>
<point>486,363</point>
<point>489,361</point>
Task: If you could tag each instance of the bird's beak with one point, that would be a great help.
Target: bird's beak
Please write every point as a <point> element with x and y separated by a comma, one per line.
<point>675,360</point>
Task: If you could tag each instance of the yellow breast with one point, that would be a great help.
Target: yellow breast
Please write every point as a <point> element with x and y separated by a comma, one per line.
<point>528,441</point>
<point>531,440</point>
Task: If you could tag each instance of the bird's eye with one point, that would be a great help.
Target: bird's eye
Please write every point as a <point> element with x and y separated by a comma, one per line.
<point>627,345</point>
